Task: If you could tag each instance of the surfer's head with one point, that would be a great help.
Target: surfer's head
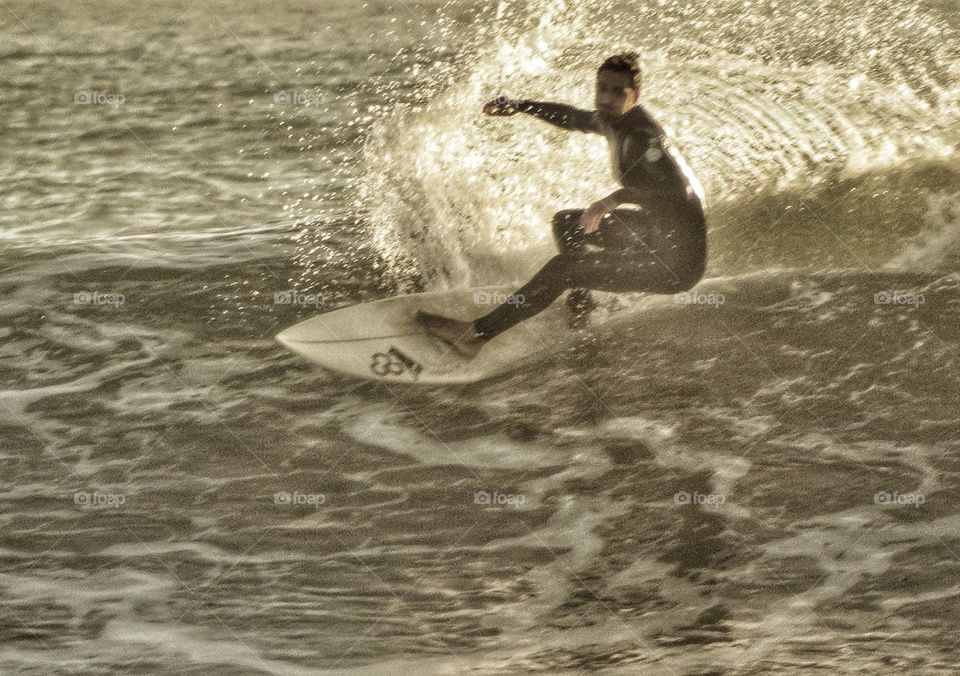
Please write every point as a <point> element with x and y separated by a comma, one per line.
<point>618,85</point>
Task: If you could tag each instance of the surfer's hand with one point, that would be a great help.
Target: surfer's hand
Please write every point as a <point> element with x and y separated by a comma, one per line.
<point>501,106</point>
<point>590,220</point>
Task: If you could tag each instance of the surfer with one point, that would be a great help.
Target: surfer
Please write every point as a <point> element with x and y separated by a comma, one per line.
<point>658,245</point>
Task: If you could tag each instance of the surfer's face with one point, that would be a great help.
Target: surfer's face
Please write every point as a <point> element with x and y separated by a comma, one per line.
<point>615,94</point>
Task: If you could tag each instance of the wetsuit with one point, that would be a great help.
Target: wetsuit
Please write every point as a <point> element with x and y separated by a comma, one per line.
<point>658,247</point>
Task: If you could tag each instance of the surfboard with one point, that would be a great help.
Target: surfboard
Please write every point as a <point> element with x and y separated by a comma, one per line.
<point>380,340</point>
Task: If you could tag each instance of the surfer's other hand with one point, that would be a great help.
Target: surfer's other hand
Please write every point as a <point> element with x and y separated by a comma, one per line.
<point>501,106</point>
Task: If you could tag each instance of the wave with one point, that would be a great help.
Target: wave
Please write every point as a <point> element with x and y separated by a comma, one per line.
<point>870,221</point>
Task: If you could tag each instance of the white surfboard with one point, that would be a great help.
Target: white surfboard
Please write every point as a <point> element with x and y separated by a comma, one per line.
<point>381,340</point>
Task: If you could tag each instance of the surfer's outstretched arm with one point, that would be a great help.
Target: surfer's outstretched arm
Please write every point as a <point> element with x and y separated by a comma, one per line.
<point>558,114</point>
<point>561,115</point>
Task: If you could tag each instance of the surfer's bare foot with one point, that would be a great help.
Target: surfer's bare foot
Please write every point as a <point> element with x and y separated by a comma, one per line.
<point>458,334</point>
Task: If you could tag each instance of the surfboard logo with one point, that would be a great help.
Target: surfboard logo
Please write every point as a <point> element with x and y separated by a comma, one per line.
<point>393,362</point>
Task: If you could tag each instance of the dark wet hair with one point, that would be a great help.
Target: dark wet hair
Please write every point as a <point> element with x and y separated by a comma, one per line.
<point>624,62</point>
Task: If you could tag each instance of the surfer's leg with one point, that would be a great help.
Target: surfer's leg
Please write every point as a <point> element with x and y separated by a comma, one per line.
<point>664,251</point>
<point>571,238</point>
<point>530,299</point>
<point>670,257</point>
<point>602,270</point>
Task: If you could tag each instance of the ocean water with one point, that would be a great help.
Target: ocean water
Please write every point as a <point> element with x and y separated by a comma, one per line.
<point>758,477</point>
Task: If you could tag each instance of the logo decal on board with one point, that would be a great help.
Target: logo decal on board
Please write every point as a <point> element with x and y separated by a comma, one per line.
<point>393,362</point>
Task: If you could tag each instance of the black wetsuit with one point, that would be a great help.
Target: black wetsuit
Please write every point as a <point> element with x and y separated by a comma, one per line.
<point>659,247</point>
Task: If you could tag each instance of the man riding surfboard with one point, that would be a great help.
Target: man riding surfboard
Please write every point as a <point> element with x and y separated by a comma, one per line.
<point>659,246</point>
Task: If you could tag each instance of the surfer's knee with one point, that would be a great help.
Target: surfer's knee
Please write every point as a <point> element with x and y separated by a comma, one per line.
<point>558,265</point>
<point>564,222</point>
